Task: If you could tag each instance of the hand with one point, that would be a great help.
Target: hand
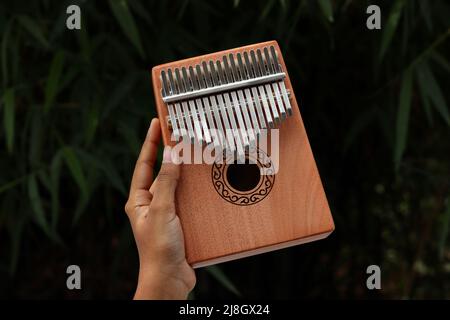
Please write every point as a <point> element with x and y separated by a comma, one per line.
<point>163,270</point>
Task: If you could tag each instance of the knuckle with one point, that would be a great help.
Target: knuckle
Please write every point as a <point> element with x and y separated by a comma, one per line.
<point>140,161</point>
<point>169,172</point>
<point>165,175</point>
<point>128,208</point>
<point>161,206</point>
<point>191,281</point>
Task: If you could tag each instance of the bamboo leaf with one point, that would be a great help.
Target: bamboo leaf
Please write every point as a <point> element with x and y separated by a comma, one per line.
<point>105,165</point>
<point>424,94</point>
<point>441,61</point>
<point>137,7</point>
<point>15,60</point>
<point>120,92</point>
<point>12,184</point>
<point>403,117</point>
<point>182,9</point>
<point>9,102</point>
<point>125,18</point>
<point>92,120</point>
<point>362,122</point>
<point>426,13</point>
<point>69,75</point>
<point>85,44</point>
<point>327,9</point>
<point>34,29</point>
<point>12,204</point>
<point>43,178</point>
<point>5,44</point>
<point>390,28</point>
<point>36,138</point>
<point>36,204</point>
<point>75,169</point>
<point>425,101</point>
<point>55,173</point>
<point>79,210</point>
<point>266,10</point>
<point>220,276</point>
<point>430,87</point>
<point>53,80</point>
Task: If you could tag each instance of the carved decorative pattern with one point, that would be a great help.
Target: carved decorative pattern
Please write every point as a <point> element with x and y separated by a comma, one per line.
<point>220,183</point>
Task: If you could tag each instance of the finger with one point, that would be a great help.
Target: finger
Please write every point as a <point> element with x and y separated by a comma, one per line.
<point>164,187</point>
<point>152,188</point>
<point>143,171</point>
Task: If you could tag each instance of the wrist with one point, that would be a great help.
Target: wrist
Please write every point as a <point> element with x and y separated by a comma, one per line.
<point>157,282</point>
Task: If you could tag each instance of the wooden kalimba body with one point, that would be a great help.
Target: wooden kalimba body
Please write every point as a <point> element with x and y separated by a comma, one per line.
<point>229,210</point>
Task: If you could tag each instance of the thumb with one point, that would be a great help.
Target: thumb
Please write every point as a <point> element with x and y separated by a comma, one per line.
<point>166,183</point>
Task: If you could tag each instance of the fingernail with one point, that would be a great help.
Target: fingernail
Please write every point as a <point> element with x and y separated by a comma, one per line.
<point>167,155</point>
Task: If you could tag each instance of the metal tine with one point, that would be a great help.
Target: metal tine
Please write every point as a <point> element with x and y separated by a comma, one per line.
<point>218,143</point>
<point>165,86</point>
<point>199,105</point>
<point>211,124</point>
<point>166,92</point>
<point>235,105</point>
<point>188,85</point>
<point>244,76</point>
<point>271,67</point>
<point>243,105</point>
<point>226,103</point>
<point>284,93</point>
<point>261,90</point>
<point>276,64</point>
<point>173,89</point>
<point>184,105</point>
<point>251,74</point>
<point>215,102</point>
<point>225,134</point>
<point>264,70</point>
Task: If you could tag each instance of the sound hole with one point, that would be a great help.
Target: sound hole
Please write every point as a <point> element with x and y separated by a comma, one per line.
<point>243,177</point>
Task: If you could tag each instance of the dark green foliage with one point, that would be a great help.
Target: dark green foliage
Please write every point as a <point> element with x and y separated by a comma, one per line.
<point>75,106</point>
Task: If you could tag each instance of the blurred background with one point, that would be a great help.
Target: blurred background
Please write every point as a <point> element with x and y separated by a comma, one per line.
<point>76,104</point>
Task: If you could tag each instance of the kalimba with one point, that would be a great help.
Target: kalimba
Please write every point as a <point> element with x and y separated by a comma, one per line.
<point>227,101</point>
